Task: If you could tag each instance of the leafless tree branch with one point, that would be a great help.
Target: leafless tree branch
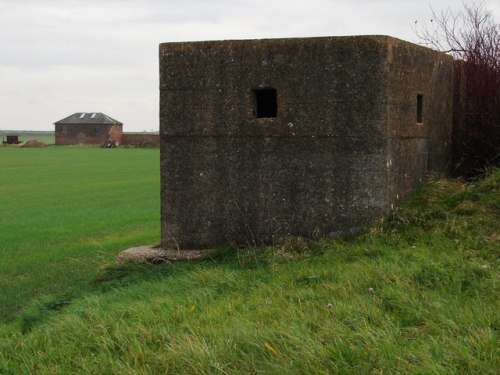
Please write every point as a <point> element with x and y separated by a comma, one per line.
<point>472,35</point>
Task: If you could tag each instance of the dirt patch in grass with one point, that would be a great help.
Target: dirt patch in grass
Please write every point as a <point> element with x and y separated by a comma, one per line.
<point>34,143</point>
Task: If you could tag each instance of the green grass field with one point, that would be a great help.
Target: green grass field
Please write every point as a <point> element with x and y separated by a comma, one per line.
<point>64,211</point>
<point>417,293</point>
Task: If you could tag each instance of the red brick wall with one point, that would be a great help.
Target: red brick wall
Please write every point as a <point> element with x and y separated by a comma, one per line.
<point>136,139</point>
<point>74,134</point>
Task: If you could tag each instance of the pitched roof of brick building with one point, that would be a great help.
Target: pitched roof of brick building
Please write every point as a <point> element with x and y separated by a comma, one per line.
<point>91,118</point>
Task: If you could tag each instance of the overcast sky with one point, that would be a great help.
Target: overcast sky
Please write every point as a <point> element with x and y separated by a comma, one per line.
<point>58,57</point>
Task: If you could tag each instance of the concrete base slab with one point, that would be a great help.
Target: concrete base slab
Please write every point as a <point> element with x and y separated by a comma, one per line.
<point>155,254</point>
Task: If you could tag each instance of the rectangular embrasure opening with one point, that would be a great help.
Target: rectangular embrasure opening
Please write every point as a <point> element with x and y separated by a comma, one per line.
<point>420,108</point>
<point>266,103</point>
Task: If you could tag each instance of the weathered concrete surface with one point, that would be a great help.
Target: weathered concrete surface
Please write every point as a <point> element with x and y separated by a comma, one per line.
<point>344,146</point>
<point>155,254</point>
<point>414,148</point>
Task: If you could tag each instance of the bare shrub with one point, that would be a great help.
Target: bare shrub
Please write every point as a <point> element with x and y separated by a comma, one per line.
<point>472,36</point>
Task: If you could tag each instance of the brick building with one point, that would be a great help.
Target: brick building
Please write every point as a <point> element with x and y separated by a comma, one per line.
<point>141,139</point>
<point>93,128</point>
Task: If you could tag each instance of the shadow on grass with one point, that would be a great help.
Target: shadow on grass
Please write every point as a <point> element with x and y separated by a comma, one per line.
<point>43,309</point>
<point>111,277</point>
<point>119,275</point>
<point>123,274</point>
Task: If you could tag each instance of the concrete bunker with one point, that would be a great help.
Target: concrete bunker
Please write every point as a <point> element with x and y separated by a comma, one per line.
<point>338,129</point>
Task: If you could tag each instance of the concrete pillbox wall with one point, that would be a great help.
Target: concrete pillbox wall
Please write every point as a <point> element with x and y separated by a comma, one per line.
<point>267,138</point>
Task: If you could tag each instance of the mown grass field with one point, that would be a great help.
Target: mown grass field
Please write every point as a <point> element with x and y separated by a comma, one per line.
<point>64,211</point>
<point>417,293</point>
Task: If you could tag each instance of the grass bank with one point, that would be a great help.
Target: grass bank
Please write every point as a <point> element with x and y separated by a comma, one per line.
<point>414,294</point>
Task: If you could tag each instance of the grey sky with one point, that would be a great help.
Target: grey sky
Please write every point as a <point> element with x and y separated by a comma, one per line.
<point>58,57</point>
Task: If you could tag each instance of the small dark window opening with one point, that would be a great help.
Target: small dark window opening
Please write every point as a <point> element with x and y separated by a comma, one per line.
<point>266,103</point>
<point>420,108</point>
